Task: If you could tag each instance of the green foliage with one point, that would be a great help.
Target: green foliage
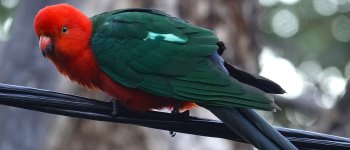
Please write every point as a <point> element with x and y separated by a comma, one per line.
<point>315,39</point>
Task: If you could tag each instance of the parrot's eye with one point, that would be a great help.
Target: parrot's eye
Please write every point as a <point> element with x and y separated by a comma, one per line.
<point>64,29</point>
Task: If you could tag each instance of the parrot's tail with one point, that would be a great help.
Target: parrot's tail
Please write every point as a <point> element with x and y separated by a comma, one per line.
<point>252,127</point>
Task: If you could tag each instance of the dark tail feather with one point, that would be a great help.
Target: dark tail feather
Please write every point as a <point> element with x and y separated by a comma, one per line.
<point>252,127</point>
<point>257,81</point>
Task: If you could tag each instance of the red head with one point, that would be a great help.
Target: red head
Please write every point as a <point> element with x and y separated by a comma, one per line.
<point>64,32</point>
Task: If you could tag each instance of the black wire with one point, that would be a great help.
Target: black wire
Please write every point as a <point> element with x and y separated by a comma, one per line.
<point>74,106</point>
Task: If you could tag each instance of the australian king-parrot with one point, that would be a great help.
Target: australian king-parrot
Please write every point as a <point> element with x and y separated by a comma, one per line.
<point>147,59</point>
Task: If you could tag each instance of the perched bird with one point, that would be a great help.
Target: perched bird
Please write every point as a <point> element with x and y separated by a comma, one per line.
<point>147,59</point>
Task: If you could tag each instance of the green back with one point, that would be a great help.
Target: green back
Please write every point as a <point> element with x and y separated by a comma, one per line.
<point>163,55</point>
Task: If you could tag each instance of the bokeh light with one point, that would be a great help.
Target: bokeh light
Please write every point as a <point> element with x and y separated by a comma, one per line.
<point>268,3</point>
<point>341,28</point>
<point>5,28</point>
<point>311,68</point>
<point>289,2</point>
<point>325,7</point>
<point>284,23</point>
<point>347,70</point>
<point>9,3</point>
<point>343,6</point>
<point>332,84</point>
<point>332,81</point>
<point>282,72</point>
<point>299,118</point>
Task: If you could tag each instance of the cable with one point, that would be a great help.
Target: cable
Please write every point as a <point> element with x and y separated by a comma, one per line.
<point>79,107</point>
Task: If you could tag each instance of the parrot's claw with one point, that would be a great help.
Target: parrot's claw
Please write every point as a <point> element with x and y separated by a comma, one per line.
<point>172,133</point>
<point>177,113</point>
<point>115,106</point>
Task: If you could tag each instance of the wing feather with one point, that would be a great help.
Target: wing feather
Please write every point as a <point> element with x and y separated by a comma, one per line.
<point>167,56</point>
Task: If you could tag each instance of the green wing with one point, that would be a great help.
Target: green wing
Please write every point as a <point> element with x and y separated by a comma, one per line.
<point>167,56</point>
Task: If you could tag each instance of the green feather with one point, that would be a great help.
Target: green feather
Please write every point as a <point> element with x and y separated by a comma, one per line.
<point>163,55</point>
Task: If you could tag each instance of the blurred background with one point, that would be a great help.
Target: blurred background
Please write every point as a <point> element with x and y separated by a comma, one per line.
<point>302,45</point>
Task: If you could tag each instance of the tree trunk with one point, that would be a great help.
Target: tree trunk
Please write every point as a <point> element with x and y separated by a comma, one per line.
<point>21,63</point>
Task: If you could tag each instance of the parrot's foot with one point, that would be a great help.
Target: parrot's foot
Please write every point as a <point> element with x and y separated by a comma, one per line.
<point>175,111</point>
<point>115,106</point>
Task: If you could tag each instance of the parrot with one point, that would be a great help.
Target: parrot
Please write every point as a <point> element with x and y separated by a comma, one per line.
<point>147,59</point>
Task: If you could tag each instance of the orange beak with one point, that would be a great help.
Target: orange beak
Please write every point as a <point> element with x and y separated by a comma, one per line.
<point>46,46</point>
